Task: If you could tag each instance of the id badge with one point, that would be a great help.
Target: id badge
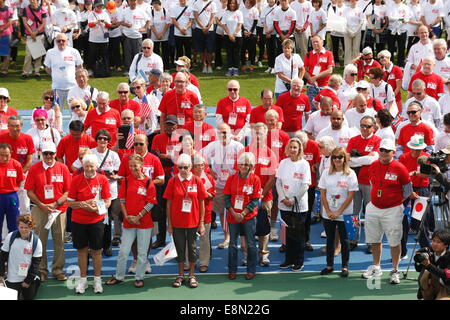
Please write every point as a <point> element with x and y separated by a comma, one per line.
<point>316,70</point>
<point>232,119</point>
<point>142,191</point>
<point>170,151</point>
<point>333,202</point>
<point>239,203</point>
<point>187,205</point>
<point>277,144</point>
<point>23,270</point>
<point>181,119</point>
<point>264,161</point>
<point>101,207</point>
<point>49,191</point>
<point>30,22</point>
<point>379,193</point>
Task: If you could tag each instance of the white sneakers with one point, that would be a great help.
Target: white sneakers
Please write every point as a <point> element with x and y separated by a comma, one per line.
<point>98,285</point>
<point>83,285</point>
<point>132,268</point>
<point>372,271</point>
<point>394,277</point>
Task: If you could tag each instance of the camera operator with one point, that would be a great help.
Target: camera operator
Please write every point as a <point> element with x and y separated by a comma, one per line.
<point>436,171</point>
<point>434,268</point>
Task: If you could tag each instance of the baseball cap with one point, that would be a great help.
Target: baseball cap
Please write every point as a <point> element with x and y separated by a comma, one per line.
<point>4,92</point>
<point>49,146</point>
<point>363,84</point>
<point>98,3</point>
<point>366,51</point>
<point>171,119</point>
<point>180,63</point>
<point>387,144</point>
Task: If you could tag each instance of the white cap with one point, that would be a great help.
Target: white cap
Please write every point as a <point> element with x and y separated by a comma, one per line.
<point>49,146</point>
<point>180,63</point>
<point>363,84</point>
<point>387,144</point>
<point>417,142</point>
<point>4,93</point>
<point>366,51</point>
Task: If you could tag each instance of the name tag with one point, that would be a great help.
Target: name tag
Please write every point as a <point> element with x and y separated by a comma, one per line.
<point>170,151</point>
<point>11,173</point>
<point>30,22</point>
<point>23,270</point>
<point>110,121</point>
<point>187,206</point>
<point>277,144</point>
<point>239,202</point>
<point>192,188</point>
<point>205,137</point>
<point>185,105</point>
<point>142,191</point>
<point>308,157</point>
<point>316,70</point>
<point>101,207</point>
<point>181,119</point>
<point>300,107</point>
<point>22,150</point>
<point>264,161</point>
<point>232,118</point>
<point>57,178</point>
<point>49,192</point>
<point>240,109</point>
<point>391,176</point>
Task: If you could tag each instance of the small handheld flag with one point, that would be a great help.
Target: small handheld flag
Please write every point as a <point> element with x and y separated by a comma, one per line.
<point>420,205</point>
<point>351,224</point>
<point>165,254</point>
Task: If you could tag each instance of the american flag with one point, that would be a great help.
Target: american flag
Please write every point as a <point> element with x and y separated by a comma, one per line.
<point>56,98</point>
<point>130,138</point>
<point>145,108</point>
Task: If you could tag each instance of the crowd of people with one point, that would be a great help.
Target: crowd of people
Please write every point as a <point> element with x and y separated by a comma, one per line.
<point>319,147</point>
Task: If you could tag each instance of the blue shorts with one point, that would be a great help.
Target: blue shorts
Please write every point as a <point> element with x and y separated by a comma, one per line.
<point>204,42</point>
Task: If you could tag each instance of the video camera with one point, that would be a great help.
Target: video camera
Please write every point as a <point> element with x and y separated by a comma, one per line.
<point>437,158</point>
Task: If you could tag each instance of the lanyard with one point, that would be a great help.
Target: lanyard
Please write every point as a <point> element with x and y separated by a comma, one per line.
<point>90,189</point>
<point>184,189</point>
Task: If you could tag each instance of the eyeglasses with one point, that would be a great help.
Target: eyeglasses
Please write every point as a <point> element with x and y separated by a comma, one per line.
<point>48,153</point>
<point>384,150</point>
<point>122,92</point>
<point>75,107</point>
<point>103,138</point>
<point>337,157</point>
<point>233,89</point>
<point>361,89</point>
<point>183,167</point>
<point>3,98</point>
<point>353,74</point>
<point>139,144</point>
<point>366,126</point>
<point>412,112</point>
<point>146,47</point>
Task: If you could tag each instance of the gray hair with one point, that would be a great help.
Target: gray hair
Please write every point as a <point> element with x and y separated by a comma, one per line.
<point>328,143</point>
<point>79,101</point>
<point>440,43</point>
<point>82,70</point>
<point>273,113</point>
<point>300,81</point>
<point>166,76</point>
<point>198,159</point>
<point>127,111</point>
<point>384,53</point>
<point>149,42</point>
<point>138,81</point>
<point>200,106</point>
<point>14,118</point>
<point>350,68</point>
<point>103,95</point>
<point>302,136</point>
<point>261,125</point>
<point>123,85</point>
<point>184,159</point>
<point>418,84</point>
<point>90,159</point>
<point>368,117</point>
<point>247,157</point>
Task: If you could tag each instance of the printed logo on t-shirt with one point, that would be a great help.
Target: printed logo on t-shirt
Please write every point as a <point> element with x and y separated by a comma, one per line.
<point>299,175</point>
<point>22,151</point>
<point>241,109</point>
<point>57,178</point>
<point>300,107</point>
<point>323,60</point>
<point>431,85</point>
<point>390,176</point>
<point>342,184</point>
<point>11,173</point>
<point>344,140</point>
<point>308,156</point>
<point>68,58</point>
<point>110,121</point>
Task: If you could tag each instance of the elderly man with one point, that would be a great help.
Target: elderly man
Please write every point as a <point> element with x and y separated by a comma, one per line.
<point>340,132</point>
<point>265,168</point>
<point>418,51</point>
<point>294,104</point>
<point>61,63</point>
<point>364,62</point>
<point>434,83</point>
<point>22,150</point>
<point>258,113</point>
<point>222,155</point>
<point>145,61</point>
<point>178,102</point>
<point>235,111</point>
<point>359,111</point>
<point>431,111</point>
<point>204,133</point>
<point>83,90</point>
<point>362,151</point>
<point>47,186</point>
<point>124,101</point>
<point>319,119</point>
<point>103,117</point>
<point>384,214</point>
<point>442,66</point>
<point>5,110</point>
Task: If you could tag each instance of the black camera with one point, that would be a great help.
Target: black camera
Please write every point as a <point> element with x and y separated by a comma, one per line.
<point>355,153</point>
<point>422,255</point>
<point>437,158</point>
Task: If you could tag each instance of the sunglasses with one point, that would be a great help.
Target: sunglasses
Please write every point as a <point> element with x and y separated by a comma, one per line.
<point>146,47</point>
<point>127,118</point>
<point>366,126</point>
<point>48,153</point>
<point>361,89</point>
<point>183,167</point>
<point>75,107</point>
<point>39,120</point>
<point>49,98</point>
<point>3,98</point>
<point>233,89</point>
<point>384,150</point>
<point>122,92</point>
<point>137,87</point>
<point>139,144</point>
<point>337,157</point>
<point>103,138</point>
<point>353,74</point>
<point>366,59</point>
<point>412,112</point>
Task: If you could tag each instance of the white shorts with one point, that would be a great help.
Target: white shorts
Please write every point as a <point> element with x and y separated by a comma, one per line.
<point>380,221</point>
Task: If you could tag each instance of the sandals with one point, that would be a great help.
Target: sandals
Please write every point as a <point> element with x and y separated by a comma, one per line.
<point>113,281</point>
<point>139,283</point>
<point>192,282</point>
<point>178,282</point>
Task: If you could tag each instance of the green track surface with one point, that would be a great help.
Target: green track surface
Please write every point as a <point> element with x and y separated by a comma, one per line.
<point>281,286</point>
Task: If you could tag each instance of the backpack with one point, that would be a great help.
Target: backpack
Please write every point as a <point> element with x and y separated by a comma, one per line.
<point>16,234</point>
<point>101,69</point>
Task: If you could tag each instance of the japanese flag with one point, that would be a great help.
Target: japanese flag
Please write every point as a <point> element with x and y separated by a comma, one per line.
<point>167,253</point>
<point>283,226</point>
<point>420,205</point>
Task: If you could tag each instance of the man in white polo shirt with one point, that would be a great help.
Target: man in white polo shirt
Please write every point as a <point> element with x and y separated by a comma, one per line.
<point>340,132</point>
<point>319,119</point>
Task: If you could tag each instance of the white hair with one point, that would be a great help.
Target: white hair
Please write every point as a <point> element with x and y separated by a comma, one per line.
<point>184,159</point>
<point>123,85</point>
<point>350,68</point>
<point>328,143</point>
<point>440,43</point>
<point>384,53</point>
<point>103,95</point>
<point>247,157</point>
<point>90,159</point>
<point>149,41</point>
<point>302,136</point>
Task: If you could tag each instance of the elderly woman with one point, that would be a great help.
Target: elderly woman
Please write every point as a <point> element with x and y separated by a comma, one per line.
<point>288,66</point>
<point>137,197</point>
<point>53,110</point>
<point>393,75</point>
<point>293,180</point>
<point>347,90</point>
<point>78,109</point>
<point>149,121</point>
<point>22,250</point>
<point>187,147</point>
<point>89,197</point>
<point>164,85</point>
<point>185,194</point>
<point>42,133</point>
<point>337,188</point>
<point>242,193</point>
<point>145,61</point>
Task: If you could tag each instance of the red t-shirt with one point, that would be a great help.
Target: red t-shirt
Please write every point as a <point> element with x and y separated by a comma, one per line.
<point>152,167</point>
<point>277,141</point>
<point>258,114</point>
<point>240,108</point>
<point>411,164</point>
<point>68,148</point>
<point>293,109</point>
<point>391,78</point>
<point>364,147</point>
<point>203,135</point>
<point>363,69</point>
<point>249,188</point>
<point>323,59</point>
<point>192,79</point>
<point>58,176</point>
<point>179,191</point>
<point>131,105</point>
<point>109,121</point>
<point>163,144</point>
<point>211,190</point>
<point>11,176</point>
<point>312,154</point>
<point>407,131</point>
<point>82,189</point>
<point>179,105</point>
<point>434,85</point>
<point>5,115</point>
<point>378,104</point>
<point>327,92</point>
<point>22,147</point>
<point>137,195</point>
<point>389,179</point>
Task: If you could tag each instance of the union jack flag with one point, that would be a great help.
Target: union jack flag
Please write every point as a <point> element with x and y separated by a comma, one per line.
<point>145,108</point>
<point>397,120</point>
<point>130,138</point>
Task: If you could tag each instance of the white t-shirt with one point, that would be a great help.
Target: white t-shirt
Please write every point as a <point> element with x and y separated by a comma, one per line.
<point>159,19</point>
<point>386,133</point>
<point>116,17</point>
<point>96,34</point>
<point>414,14</point>
<point>316,123</point>
<point>338,187</point>
<point>354,117</point>
<point>112,163</point>
<point>184,19</point>
<point>289,67</point>
<point>317,18</point>
<point>206,14</point>
<point>442,141</point>
<point>345,93</point>
<point>267,16</point>
<point>340,12</point>
<point>138,19</point>
<point>63,65</point>
<point>40,137</point>
<point>419,51</point>
<point>442,68</point>
<point>379,12</point>
<point>395,13</point>
<point>231,19</point>
<point>145,64</point>
<point>284,18</point>
<point>340,137</point>
<point>219,15</point>
<point>302,11</point>
<point>292,176</point>
<point>431,11</point>
<point>144,6</point>
<point>249,16</point>
<point>354,16</point>
<point>444,102</point>
<point>383,92</point>
<point>84,94</point>
<point>20,254</point>
<point>63,17</point>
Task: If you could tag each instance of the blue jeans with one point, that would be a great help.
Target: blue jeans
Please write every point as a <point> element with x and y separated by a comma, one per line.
<point>249,228</point>
<point>9,207</point>
<point>143,237</point>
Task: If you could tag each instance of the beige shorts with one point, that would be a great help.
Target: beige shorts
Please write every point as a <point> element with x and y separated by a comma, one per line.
<point>384,221</point>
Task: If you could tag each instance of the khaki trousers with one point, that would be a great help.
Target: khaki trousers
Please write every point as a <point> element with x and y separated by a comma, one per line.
<point>29,61</point>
